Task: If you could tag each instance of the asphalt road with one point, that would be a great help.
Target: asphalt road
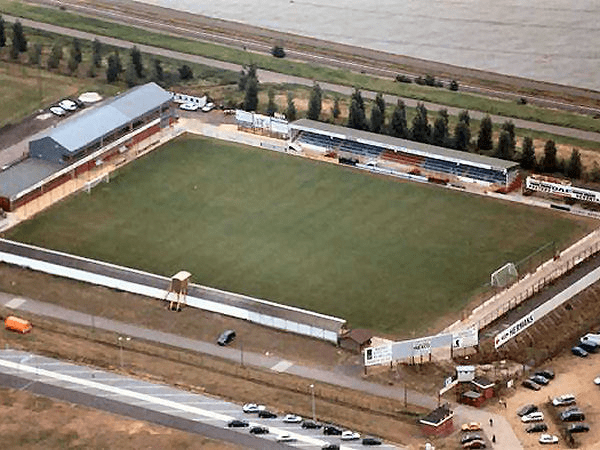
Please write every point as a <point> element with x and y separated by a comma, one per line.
<point>273,77</point>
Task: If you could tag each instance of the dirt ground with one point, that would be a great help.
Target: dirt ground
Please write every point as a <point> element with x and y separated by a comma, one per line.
<point>574,375</point>
<point>29,421</point>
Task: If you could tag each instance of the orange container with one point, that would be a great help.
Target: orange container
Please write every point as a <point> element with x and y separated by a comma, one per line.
<point>17,324</point>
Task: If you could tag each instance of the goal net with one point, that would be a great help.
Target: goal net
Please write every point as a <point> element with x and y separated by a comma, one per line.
<point>505,275</point>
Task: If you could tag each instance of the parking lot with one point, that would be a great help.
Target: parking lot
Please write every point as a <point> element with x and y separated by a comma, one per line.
<point>574,375</point>
<point>213,413</point>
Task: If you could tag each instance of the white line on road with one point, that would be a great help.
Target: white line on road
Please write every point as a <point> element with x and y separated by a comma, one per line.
<point>282,366</point>
<point>15,303</point>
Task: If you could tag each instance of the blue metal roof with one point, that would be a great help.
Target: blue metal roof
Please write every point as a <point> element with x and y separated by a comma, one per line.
<point>89,126</point>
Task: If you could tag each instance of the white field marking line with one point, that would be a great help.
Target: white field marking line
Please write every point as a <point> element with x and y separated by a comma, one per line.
<point>145,397</point>
<point>15,303</point>
<point>282,366</point>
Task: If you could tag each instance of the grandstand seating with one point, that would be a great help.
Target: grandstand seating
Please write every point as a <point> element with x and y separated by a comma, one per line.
<point>427,163</point>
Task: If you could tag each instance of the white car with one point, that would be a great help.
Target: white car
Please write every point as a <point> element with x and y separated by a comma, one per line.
<point>68,105</point>
<point>597,381</point>
<point>292,418</point>
<point>548,439</point>
<point>189,107</point>
<point>537,416</point>
<point>285,438</point>
<point>563,400</point>
<point>349,435</point>
<point>253,408</point>
<point>208,107</point>
<point>57,110</point>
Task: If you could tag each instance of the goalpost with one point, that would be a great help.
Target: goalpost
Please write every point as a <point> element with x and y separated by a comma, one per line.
<point>505,275</point>
<point>90,184</point>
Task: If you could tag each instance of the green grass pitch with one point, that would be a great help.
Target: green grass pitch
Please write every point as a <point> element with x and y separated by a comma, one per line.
<point>384,254</point>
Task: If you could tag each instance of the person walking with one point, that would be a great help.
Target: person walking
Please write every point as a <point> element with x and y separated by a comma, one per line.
<point>491,422</point>
<point>494,439</point>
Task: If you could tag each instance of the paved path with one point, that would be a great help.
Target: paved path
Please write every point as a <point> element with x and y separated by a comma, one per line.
<point>463,413</point>
<point>273,77</point>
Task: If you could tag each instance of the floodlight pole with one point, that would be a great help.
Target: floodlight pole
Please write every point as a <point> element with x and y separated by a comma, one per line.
<point>120,339</point>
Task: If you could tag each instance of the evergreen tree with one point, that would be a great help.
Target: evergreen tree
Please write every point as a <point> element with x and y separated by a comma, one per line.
<point>118,64</point>
<point>72,64</point>
<point>56,55</point>
<point>503,150</point>
<point>76,51</point>
<point>528,154</point>
<point>509,127</point>
<point>291,113</point>
<point>484,140</point>
<point>315,102</point>
<point>96,53</point>
<point>398,124</point>
<point>356,95</point>
<point>335,112</point>
<point>377,119</point>
<point>420,130</point>
<point>356,115</point>
<point>2,32</point>
<point>595,172</point>
<point>130,75</point>
<point>379,101</point>
<point>271,106</point>
<point>112,68</point>
<point>35,54</point>
<point>185,72</point>
<point>251,95</point>
<point>463,116</point>
<point>157,71</point>
<point>19,41</point>
<point>462,136</point>
<point>439,135</point>
<point>549,162</point>
<point>136,61</point>
<point>574,167</point>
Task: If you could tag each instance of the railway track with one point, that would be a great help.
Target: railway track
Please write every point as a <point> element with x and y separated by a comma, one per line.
<point>315,51</point>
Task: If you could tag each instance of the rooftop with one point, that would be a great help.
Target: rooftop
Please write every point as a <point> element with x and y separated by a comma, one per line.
<point>21,176</point>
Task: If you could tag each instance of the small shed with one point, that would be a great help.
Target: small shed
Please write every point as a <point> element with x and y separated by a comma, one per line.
<point>484,386</point>
<point>356,340</point>
<point>438,422</point>
<point>472,398</point>
<point>465,373</point>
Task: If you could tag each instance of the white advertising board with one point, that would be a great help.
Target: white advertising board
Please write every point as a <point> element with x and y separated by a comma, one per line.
<point>244,116</point>
<point>465,338</point>
<point>509,333</point>
<point>421,346</point>
<point>378,355</point>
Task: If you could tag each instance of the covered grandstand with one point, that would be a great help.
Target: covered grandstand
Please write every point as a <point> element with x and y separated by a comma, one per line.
<point>358,146</point>
<point>85,141</point>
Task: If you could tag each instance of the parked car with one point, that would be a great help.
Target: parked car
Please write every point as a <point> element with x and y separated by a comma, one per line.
<point>537,427</point>
<point>572,416</point>
<point>597,381</point>
<point>536,416</point>
<point>208,107</point>
<point>349,436</point>
<point>259,430</point>
<point>292,418</point>
<point>330,430</point>
<point>526,409</point>
<point>578,351</point>
<point>563,400</point>
<point>253,408</point>
<point>68,105</point>
<point>531,385</point>
<point>238,423</point>
<point>371,441</point>
<point>546,373</point>
<point>538,379</point>
<point>474,444</point>
<point>589,346</point>
<point>189,106</point>
<point>329,446</point>
<point>226,337</point>
<point>285,438</point>
<point>548,439</point>
<point>579,427</point>
<point>266,414</point>
<point>470,437</point>
<point>57,111</point>
<point>471,426</point>
<point>311,425</point>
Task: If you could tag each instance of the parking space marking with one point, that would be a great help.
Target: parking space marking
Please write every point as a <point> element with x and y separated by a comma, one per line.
<point>282,366</point>
<point>15,303</point>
